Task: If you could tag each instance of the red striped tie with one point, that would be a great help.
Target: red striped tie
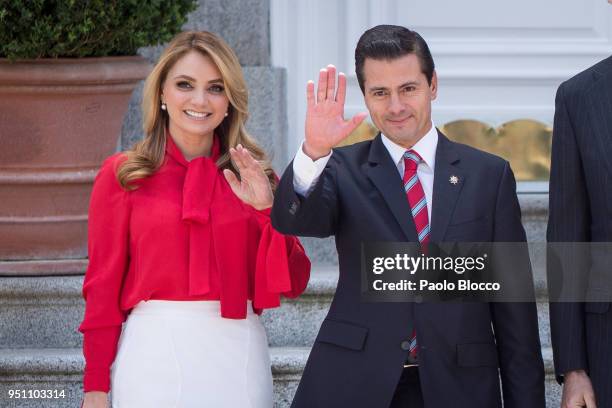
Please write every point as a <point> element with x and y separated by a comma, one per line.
<point>418,206</point>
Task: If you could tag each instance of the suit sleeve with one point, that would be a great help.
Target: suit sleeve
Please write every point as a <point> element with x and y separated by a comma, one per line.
<point>516,323</point>
<point>312,216</point>
<point>569,220</point>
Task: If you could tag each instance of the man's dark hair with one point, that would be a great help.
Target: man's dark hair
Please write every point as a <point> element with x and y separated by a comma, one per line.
<point>388,42</point>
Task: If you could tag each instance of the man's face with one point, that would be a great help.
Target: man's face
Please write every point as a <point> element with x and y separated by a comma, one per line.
<point>399,98</point>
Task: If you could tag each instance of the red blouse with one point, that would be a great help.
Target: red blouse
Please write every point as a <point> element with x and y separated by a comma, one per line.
<point>181,235</point>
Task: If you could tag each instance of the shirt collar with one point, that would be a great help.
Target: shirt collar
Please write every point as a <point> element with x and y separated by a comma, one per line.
<point>425,147</point>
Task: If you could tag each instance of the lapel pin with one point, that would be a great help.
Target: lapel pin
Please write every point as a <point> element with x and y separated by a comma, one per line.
<point>453,179</point>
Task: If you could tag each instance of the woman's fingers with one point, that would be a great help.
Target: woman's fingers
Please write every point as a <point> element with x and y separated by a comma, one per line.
<point>232,180</point>
<point>244,161</point>
<point>253,183</point>
<point>247,160</point>
<point>237,158</point>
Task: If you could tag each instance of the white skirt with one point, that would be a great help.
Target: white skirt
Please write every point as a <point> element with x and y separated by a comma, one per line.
<point>183,354</point>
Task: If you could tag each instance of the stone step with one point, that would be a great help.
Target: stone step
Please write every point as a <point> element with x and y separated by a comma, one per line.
<point>44,312</point>
<point>61,370</point>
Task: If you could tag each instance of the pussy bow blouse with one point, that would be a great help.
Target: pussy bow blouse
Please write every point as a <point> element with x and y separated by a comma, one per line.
<point>181,235</point>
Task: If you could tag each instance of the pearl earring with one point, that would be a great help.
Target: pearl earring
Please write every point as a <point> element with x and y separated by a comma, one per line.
<point>163,106</point>
<point>226,114</point>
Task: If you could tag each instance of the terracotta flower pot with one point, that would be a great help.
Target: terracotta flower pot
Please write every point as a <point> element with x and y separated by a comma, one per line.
<point>59,119</point>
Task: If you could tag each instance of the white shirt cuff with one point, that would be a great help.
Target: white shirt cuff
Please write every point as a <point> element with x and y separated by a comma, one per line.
<point>306,172</point>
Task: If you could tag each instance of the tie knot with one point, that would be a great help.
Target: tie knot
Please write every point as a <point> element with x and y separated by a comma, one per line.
<point>412,158</point>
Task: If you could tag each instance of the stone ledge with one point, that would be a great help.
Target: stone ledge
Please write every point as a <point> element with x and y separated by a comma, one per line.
<point>19,362</point>
<point>34,289</point>
<point>34,362</point>
<point>40,289</point>
<point>43,267</point>
<point>533,205</point>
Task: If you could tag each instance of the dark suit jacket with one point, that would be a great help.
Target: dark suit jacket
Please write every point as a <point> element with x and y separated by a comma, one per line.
<point>358,355</point>
<point>581,211</point>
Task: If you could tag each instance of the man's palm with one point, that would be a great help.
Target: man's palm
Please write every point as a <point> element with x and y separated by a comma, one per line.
<point>325,124</point>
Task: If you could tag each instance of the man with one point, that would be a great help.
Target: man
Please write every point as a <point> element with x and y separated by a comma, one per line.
<point>579,211</point>
<point>404,354</point>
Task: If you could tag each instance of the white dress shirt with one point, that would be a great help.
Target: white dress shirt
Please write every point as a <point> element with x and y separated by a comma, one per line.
<point>306,172</point>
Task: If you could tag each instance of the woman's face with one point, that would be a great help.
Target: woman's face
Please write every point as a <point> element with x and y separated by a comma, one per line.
<point>195,97</point>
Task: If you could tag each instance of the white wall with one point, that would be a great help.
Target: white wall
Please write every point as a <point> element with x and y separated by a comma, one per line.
<point>496,60</point>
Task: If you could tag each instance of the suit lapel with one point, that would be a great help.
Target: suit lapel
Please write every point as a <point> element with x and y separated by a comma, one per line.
<point>383,173</point>
<point>445,191</point>
<point>600,114</point>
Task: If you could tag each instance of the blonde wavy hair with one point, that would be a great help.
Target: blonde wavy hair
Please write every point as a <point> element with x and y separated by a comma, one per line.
<point>147,156</point>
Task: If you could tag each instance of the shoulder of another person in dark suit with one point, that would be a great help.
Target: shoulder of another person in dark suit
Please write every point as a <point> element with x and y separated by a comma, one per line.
<point>580,82</point>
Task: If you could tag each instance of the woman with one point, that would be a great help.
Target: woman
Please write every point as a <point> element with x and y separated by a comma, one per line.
<point>186,254</point>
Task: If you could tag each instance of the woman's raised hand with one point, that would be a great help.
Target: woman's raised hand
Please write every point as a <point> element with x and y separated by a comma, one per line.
<point>253,188</point>
<point>325,124</point>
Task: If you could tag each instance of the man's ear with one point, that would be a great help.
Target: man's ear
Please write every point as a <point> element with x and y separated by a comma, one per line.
<point>434,86</point>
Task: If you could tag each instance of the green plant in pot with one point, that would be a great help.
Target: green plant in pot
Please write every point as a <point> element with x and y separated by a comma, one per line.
<point>67,71</point>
